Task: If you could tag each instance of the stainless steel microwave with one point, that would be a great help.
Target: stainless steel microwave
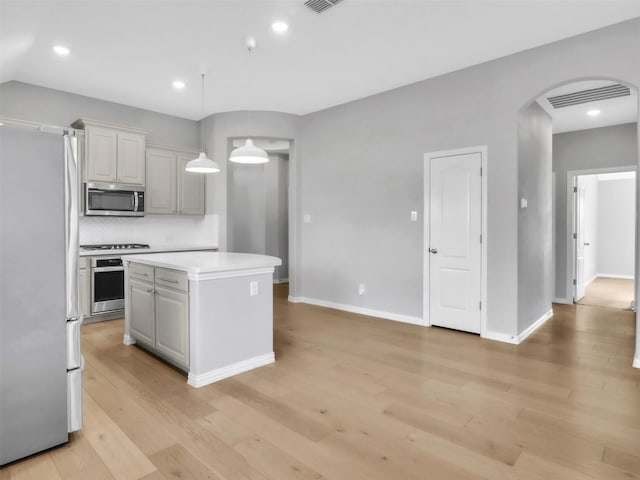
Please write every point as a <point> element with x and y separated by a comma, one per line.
<point>113,199</point>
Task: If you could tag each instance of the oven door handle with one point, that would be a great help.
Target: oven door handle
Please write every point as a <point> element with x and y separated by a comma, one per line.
<point>135,201</point>
<point>108,269</point>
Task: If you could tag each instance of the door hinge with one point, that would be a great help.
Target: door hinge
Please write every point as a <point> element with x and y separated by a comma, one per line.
<point>480,238</point>
<point>575,189</point>
<point>480,171</point>
<point>480,305</point>
<point>575,282</point>
<point>575,235</point>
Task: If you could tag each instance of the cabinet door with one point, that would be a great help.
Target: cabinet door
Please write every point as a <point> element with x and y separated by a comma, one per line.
<point>131,158</point>
<point>141,308</point>
<point>85,292</point>
<point>172,325</point>
<point>101,155</point>
<point>161,182</point>
<point>190,189</point>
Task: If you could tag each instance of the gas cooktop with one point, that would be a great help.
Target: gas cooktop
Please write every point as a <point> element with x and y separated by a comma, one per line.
<point>114,246</point>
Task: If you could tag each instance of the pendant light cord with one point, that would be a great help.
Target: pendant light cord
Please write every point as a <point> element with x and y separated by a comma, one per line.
<point>202,121</point>
<point>250,47</point>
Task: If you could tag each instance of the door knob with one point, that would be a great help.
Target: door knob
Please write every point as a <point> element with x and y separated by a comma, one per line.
<point>433,250</point>
<point>586,244</point>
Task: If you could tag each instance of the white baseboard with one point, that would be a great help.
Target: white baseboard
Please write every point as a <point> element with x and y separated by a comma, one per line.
<point>563,301</point>
<point>212,376</point>
<point>360,310</point>
<point>518,339</point>
<point>535,325</point>
<point>500,337</point>
<point>636,361</point>
<point>613,275</point>
<point>128,340</point>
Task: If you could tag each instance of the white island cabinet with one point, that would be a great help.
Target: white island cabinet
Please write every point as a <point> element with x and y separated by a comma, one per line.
<point>208,313</point>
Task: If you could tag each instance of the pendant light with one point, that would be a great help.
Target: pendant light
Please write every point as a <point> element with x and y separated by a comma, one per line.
<point>202,164</point>
<point>249,153</point>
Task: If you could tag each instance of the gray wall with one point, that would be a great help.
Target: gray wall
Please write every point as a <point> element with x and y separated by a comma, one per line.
<point>23,101</point>
<point>362,171</point>
<point>616,215</point>
<point>534,222</point>
<point>606,147</point>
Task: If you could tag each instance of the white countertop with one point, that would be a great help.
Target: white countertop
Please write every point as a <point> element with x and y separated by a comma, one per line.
<point>152,249</point>
<point>195,263</point>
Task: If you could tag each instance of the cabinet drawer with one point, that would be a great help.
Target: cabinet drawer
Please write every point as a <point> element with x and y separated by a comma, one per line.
<point>141,272</point>
<point>172,279</point>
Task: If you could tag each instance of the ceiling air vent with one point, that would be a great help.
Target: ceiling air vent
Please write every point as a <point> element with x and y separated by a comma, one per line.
<point>592,95</point>
<point>320,6</point>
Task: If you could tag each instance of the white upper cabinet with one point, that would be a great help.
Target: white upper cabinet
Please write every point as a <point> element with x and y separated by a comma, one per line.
<point>113,154</point>
<point>131,159</point>
<point>161,182</point>
<point>101,147</point>
<point>170,189</point>
<point>191,188</point>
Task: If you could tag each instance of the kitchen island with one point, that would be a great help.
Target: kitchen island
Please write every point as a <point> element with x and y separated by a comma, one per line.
<point>208,313</point>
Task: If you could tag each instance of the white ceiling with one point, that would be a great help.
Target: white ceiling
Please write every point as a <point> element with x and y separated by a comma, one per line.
<point>613,111</point>
<point>130,51</point>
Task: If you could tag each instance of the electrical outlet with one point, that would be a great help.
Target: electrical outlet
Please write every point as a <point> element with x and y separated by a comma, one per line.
<point>414,216</point>
<point>361,289</point>
<point>306,218</point>
<point>253,288</point>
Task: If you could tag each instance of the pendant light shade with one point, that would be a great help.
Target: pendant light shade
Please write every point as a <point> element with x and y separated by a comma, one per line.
<point>249,153</point>
<point>202,164</point>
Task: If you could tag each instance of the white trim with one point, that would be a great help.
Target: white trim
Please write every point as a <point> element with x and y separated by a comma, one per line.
<point>518,339</point>
<point>212,376</point>
<point>636,361</point>
<point>360,310</point>
<point>563,301</point>
<point>482,150</point>
<point>128,340</point>
<point>613,275</point>
<point>535,325</point>
<point>500,337</point>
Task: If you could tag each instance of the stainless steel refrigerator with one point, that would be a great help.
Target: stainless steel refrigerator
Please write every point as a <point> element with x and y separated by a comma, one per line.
<point>40,360</point>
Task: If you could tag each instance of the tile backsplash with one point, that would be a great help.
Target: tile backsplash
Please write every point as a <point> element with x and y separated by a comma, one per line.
<point>156,230</point>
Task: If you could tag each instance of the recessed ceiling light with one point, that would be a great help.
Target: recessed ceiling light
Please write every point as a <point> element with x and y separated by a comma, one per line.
<point>62,51</point>
<point>279,27</point>
<point>593,113</point>
<point>178,85</point>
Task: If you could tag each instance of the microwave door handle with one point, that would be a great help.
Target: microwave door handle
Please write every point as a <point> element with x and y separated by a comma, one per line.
<point>135,201</point>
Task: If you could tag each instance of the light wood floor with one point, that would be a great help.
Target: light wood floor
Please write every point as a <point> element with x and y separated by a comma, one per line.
<point>357,398</point>
<point>609,292</point>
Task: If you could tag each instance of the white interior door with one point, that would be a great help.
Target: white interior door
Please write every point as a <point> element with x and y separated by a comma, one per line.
<point>579,239</point>
<point>455,250</point>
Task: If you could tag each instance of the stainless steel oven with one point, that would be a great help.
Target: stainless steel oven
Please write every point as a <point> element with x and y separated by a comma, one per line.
<point>107,285</point>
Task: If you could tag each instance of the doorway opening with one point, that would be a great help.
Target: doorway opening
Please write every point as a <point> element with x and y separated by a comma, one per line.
<point>603,248</point>
<point>258,202</point>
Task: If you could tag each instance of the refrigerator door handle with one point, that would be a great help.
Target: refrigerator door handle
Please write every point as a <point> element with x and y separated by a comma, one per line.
<point>71,225</point>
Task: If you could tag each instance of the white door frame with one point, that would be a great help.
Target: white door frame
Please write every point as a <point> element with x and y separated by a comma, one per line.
<point>572,219</point>
<point>482,150</point>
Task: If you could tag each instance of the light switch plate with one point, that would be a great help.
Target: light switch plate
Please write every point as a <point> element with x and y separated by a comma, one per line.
<point>306,218</point>
<point>253,288</point>
<point>414,216</point>
<point>523,203</point>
